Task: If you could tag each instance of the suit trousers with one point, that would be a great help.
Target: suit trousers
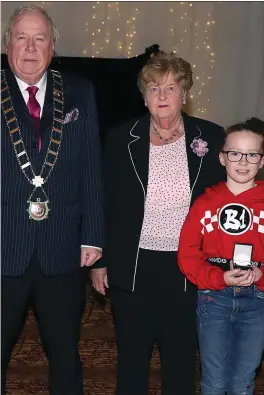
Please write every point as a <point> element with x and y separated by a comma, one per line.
<point>58,304</point>
<point>158,311</point>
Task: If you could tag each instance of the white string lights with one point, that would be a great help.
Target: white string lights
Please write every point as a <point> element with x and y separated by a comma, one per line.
<point>111,23</point>
<point>131,31</point>
<point>203,74</point>
<point>190,32</point>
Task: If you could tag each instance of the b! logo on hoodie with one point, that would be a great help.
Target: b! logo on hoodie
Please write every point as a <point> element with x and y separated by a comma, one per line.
<point>235,219</point>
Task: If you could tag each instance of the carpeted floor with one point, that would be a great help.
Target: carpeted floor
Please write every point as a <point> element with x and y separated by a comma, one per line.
<point>28,367</point>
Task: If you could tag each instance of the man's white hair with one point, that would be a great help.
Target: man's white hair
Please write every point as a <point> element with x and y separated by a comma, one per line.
<point>29,8</point>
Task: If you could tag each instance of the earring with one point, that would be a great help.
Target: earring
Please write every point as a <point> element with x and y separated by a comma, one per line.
<point>184,101</point>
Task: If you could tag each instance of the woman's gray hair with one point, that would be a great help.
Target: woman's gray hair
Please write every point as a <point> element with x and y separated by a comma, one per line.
<point>29,8</point>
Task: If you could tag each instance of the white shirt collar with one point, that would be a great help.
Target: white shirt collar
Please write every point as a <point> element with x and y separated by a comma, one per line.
<point>41,84</point>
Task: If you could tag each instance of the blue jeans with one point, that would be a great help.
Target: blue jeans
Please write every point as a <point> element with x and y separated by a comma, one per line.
<point>231,339</point>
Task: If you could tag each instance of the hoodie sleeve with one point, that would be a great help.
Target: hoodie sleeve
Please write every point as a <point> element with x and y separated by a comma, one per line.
<point>191,258</point>
<point>260,282</point>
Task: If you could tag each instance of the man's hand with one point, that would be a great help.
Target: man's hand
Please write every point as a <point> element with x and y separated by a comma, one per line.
<point>89,256</point>
<point>99,279</point>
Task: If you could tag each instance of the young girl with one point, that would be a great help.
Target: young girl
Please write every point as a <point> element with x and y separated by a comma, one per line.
<point>230,311</point>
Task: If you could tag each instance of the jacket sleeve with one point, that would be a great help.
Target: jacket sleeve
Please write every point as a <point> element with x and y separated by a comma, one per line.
<point>107,159</point>
<point>92,228</point>
<point>191,259</point>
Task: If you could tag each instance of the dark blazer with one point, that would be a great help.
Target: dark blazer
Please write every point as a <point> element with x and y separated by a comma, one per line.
<point>126,180</point>
<point>74,187</point>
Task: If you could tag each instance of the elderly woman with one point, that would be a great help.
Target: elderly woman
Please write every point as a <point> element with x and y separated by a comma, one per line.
<point>156,166</point>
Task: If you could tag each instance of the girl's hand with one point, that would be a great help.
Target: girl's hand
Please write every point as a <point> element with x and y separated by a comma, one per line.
<point>239,278</point>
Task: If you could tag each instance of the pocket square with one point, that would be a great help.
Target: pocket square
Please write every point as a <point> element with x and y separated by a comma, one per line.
<point>71,116</point>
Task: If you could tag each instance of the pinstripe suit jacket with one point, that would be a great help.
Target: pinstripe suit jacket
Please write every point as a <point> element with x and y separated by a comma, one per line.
<point>74,187</point>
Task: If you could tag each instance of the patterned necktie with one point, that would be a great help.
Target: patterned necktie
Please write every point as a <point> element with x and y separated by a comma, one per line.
<point>34,110</point>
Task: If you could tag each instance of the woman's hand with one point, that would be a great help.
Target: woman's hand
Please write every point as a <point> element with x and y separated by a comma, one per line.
<point>100,280</point>
<point>234,277</point>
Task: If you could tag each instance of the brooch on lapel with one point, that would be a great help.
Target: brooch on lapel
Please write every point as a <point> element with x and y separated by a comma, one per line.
<point>71,116</point>
<point>199,147</point>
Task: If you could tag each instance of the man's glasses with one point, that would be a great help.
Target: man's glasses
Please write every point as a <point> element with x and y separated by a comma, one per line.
<point>236,156</point>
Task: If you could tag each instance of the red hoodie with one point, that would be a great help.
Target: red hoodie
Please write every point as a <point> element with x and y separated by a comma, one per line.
<point>216,222</point>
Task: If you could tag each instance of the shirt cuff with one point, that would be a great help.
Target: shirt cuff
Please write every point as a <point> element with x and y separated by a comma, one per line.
<point>98,248</point>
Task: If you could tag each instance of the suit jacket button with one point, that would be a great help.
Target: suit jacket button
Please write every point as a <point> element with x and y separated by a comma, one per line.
<point>34,145</point>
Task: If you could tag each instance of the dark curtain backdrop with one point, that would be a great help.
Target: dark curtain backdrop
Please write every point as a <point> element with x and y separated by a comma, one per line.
<point>115,82</point>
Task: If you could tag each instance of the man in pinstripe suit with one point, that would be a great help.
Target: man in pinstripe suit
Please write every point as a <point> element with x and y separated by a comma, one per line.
<point>51,197</point>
